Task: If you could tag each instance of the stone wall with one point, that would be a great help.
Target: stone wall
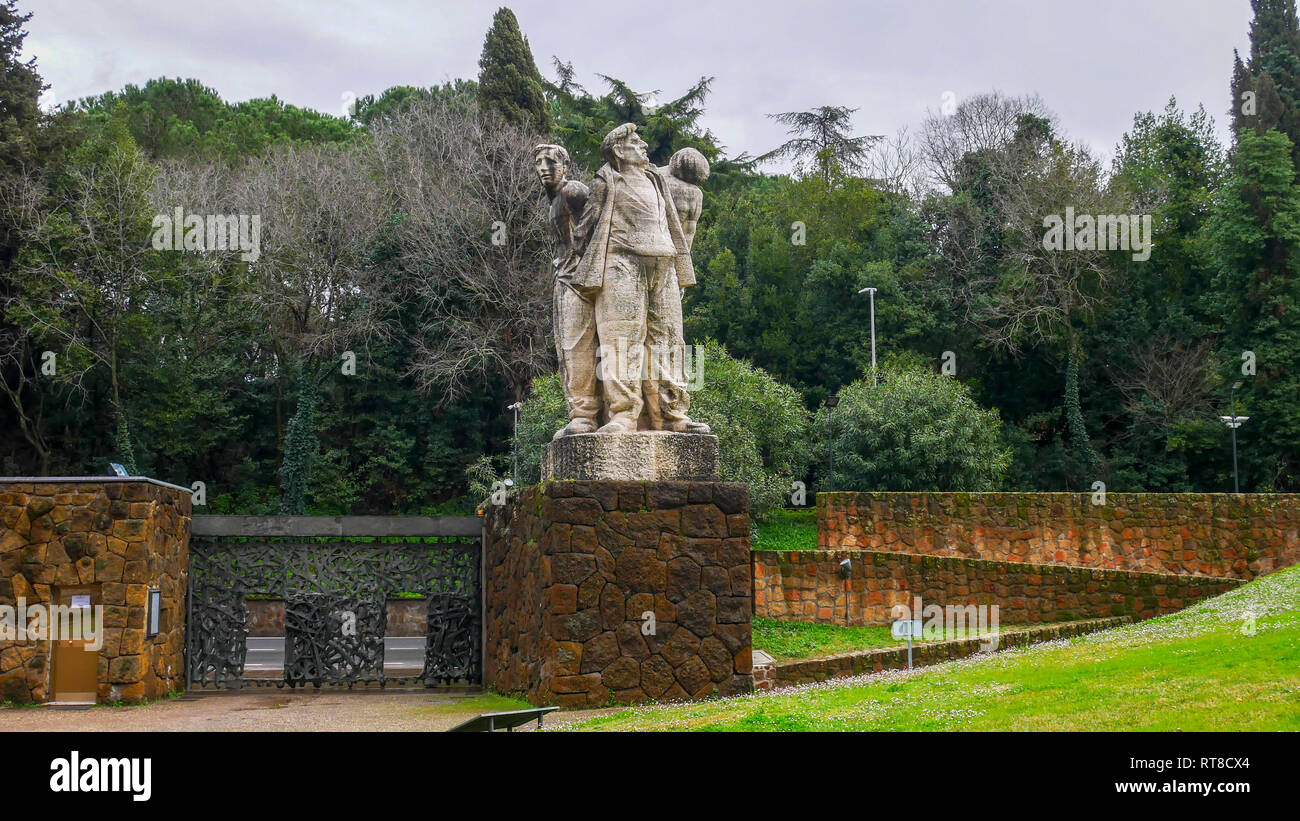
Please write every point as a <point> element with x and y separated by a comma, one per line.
<point>1207,534</point>
<point>571,569</point>
<point>124,535</point>
<point>807,586</point>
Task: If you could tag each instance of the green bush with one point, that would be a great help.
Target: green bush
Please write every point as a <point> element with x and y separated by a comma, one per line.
<point>917,431</point>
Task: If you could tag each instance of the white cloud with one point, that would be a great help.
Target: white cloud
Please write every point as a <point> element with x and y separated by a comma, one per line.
<point>1095,64</point>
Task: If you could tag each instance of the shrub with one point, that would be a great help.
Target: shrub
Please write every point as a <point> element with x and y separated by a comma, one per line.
<point>917,431</point>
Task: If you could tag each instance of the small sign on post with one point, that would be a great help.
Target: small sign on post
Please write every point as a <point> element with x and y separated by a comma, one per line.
<point>908,629</point>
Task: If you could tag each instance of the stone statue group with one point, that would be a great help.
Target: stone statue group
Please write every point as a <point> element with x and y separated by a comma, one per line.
<point>624,258</point>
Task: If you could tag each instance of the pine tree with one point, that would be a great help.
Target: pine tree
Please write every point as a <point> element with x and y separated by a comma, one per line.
<point>509,82</point>
<point>820,140</point>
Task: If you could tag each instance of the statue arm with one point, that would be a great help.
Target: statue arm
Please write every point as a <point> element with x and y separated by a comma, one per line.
<point>575,200</point>
<point>593,201</point>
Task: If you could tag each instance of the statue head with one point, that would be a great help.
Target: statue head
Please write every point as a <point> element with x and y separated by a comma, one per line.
<point>623,148</point>
<point>552,163</point>
<point>689,165</point>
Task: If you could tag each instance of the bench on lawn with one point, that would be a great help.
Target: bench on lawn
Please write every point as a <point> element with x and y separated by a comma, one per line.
<point>508,720</point>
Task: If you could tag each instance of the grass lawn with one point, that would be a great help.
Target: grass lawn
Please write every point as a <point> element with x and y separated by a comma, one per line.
<point>474,705</point>
<point>787,530</point>
<point>797,640</point>
<point>1228,663</point>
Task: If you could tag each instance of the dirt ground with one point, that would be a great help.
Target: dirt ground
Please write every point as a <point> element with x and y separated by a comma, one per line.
<point>272,710</point>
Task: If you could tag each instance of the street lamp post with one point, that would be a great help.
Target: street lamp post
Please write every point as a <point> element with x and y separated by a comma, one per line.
<point>514,444</point>
<point>831,402</point>
<point>1233,422</point>
<point>872,292</point>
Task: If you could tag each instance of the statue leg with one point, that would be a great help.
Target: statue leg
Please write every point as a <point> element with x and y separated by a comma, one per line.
<point>666,376</point>
<point>575,348</point>
<point>621,330</point>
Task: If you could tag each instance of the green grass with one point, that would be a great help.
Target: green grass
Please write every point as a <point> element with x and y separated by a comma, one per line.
<point>784,640</point>
<point>473,705</point>
<point>787,530</point>
<point>1200,669</point>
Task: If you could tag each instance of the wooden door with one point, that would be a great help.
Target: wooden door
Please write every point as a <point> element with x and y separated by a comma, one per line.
<point>75,674</point>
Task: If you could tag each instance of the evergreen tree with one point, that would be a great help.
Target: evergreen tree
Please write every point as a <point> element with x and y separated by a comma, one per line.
<point>1272,73</point>
<point>20,89</point>
<point>509,82</point>
<point>1255,232</point>
<point>20,114</point>
<point>820,140</point>
<point>1152,395</point>
<point>582,121</point>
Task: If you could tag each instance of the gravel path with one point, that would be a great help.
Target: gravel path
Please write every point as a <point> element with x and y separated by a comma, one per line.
<point>261,711</point>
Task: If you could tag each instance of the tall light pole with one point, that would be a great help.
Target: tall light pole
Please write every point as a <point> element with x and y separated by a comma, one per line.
<point>1233,422</point>
<point>514,444</point>
<point>831,402</point>
<point>872,292</point>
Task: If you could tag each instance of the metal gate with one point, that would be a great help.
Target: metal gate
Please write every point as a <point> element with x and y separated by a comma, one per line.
<point>335,576</point>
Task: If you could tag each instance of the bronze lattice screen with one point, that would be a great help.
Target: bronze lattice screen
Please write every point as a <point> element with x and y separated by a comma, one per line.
<point>335,576</point>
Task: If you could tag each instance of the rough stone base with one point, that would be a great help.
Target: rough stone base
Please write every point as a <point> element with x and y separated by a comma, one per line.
<point>618,592</point>
<point>655,456</point>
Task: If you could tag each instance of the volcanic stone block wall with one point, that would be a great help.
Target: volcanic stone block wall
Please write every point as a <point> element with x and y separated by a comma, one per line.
<point>603,591</point>
<point>1208,534</point>
<point>807,586</point>
<point>124,535</point>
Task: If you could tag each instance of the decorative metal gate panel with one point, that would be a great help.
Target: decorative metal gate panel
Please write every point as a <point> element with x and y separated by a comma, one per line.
<point>335,576</point>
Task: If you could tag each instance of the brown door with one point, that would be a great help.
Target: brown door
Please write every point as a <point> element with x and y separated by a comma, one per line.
<point>76,668</point>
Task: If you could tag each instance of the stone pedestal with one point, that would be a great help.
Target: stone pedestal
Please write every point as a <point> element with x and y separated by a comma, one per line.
<point>655,456</point>
<point>624,592</point>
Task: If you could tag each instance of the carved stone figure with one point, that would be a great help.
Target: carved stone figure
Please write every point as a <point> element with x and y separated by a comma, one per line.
<point>575,324</point>
<point>686,172</point>
<point>623,260</point>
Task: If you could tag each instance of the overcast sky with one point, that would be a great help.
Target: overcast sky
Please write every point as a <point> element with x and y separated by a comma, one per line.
<point>1095,63</point>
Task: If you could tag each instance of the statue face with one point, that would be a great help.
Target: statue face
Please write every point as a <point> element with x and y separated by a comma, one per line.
<point>631,151</point>
<point>550,169</point>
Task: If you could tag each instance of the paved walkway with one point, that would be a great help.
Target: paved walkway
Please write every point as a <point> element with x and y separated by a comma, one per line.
<point>270,710</point>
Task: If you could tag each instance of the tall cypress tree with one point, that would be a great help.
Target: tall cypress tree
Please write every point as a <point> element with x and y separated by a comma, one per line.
<point>508,81</point>
<point>1255,232</point>
<point>1272,73</point>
